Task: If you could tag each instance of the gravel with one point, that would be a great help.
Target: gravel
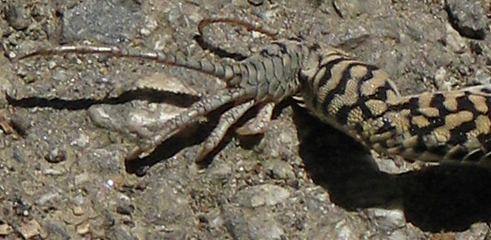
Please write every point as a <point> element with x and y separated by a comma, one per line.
<point>64,175</point>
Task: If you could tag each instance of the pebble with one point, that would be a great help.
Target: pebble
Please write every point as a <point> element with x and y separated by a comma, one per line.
<point>255,224</point>
<point>387,220</point>
<point>124,205</point>
<point>83,228</point>
<point>119,232</point>
<point>350,8</point>
<point>78,211</point>
<point>46,198</point>
<point>81,179</point>
<point>150,26</point>
<point>5,229</point>
<point>125,208</point>
<point>55,155</point>
<point>482,77</point>
<point>453,39</point>
<point>468,18</point>
<point>54,171</point>
<point>55,230</point>
<point>260,195</point>
<point>280,169</point>
<point>30,229</point>
<point>256,2</point>
<point>440,77</point>
<point>17,16</point>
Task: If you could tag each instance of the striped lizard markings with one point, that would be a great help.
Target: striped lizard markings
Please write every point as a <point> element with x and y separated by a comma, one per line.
<point>355,97</point>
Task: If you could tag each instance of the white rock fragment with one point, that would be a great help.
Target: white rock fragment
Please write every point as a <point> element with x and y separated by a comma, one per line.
<point>30,229</point>
<point>266,194</point>
<point>5,229</point>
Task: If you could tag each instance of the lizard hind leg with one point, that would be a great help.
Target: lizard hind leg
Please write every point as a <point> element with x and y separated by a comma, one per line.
<point>201,108</point>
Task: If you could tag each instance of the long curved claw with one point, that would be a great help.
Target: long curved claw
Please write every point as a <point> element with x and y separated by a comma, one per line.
<point>259,123</point>
<point>227,119</point>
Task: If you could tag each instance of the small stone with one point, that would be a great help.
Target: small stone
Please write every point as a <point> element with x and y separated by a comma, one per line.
<point>54,230</point>
<point>440,79</point>
<point>386,220</point>
<point>145,32</point>
<point>12,55</point>
<point>125,208</point>
<point>266,194</point>
<point>482,78</point>
<point>350,8</point>
<point>81,179</point>
<point>47,197</point>
<point>52,65</point>
<point>55,155</point>
<point>256,2</point>
<point>17,16</point>
<point>280,169</point>
<point>83,228</point>
<point>150,26</point>
<point>453,39</point>
<point>124,205</point>
<point>468,18</point>
<point>78,211</point>
<point>30,229</point>
<point>5,229</point>
<point>54,171</point>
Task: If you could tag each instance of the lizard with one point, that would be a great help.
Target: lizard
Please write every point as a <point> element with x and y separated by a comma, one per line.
<point>355,97</point>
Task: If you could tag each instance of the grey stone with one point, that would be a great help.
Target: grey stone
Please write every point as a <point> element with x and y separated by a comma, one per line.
<point>468,17</point>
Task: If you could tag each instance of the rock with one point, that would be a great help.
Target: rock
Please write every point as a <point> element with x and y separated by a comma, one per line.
<point>47,197</point>
<point>119,232</point>
<point>83,228</point>
<point>56,230</point>
<point>440,77</point>
<point>5,229</point>
<point>453,39</point>
<point>280,169</point>
<point>17,16</point>
<point>255,2</point>
<point>55,155</point>
<point>78,211</point>
<point>30,229</point>
<point>468,18</point>
<point>260,195</point>
<point>386,220</point>
<point>350,8</point>
<point>254,225</point>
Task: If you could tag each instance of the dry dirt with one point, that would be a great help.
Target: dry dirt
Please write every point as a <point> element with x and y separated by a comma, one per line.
<point>63,176</point>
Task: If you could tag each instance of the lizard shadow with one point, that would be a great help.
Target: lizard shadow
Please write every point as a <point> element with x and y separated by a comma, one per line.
<point>445,197</point>
<point>194,134</point>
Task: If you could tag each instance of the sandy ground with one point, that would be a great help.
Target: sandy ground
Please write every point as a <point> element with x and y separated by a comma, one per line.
<point>63,176</point>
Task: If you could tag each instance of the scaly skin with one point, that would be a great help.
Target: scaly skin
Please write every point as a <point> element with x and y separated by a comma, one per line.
<point>362,101</point>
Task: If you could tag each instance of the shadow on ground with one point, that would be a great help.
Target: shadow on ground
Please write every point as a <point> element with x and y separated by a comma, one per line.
<point>449,198</point>
<point>442,198</point>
